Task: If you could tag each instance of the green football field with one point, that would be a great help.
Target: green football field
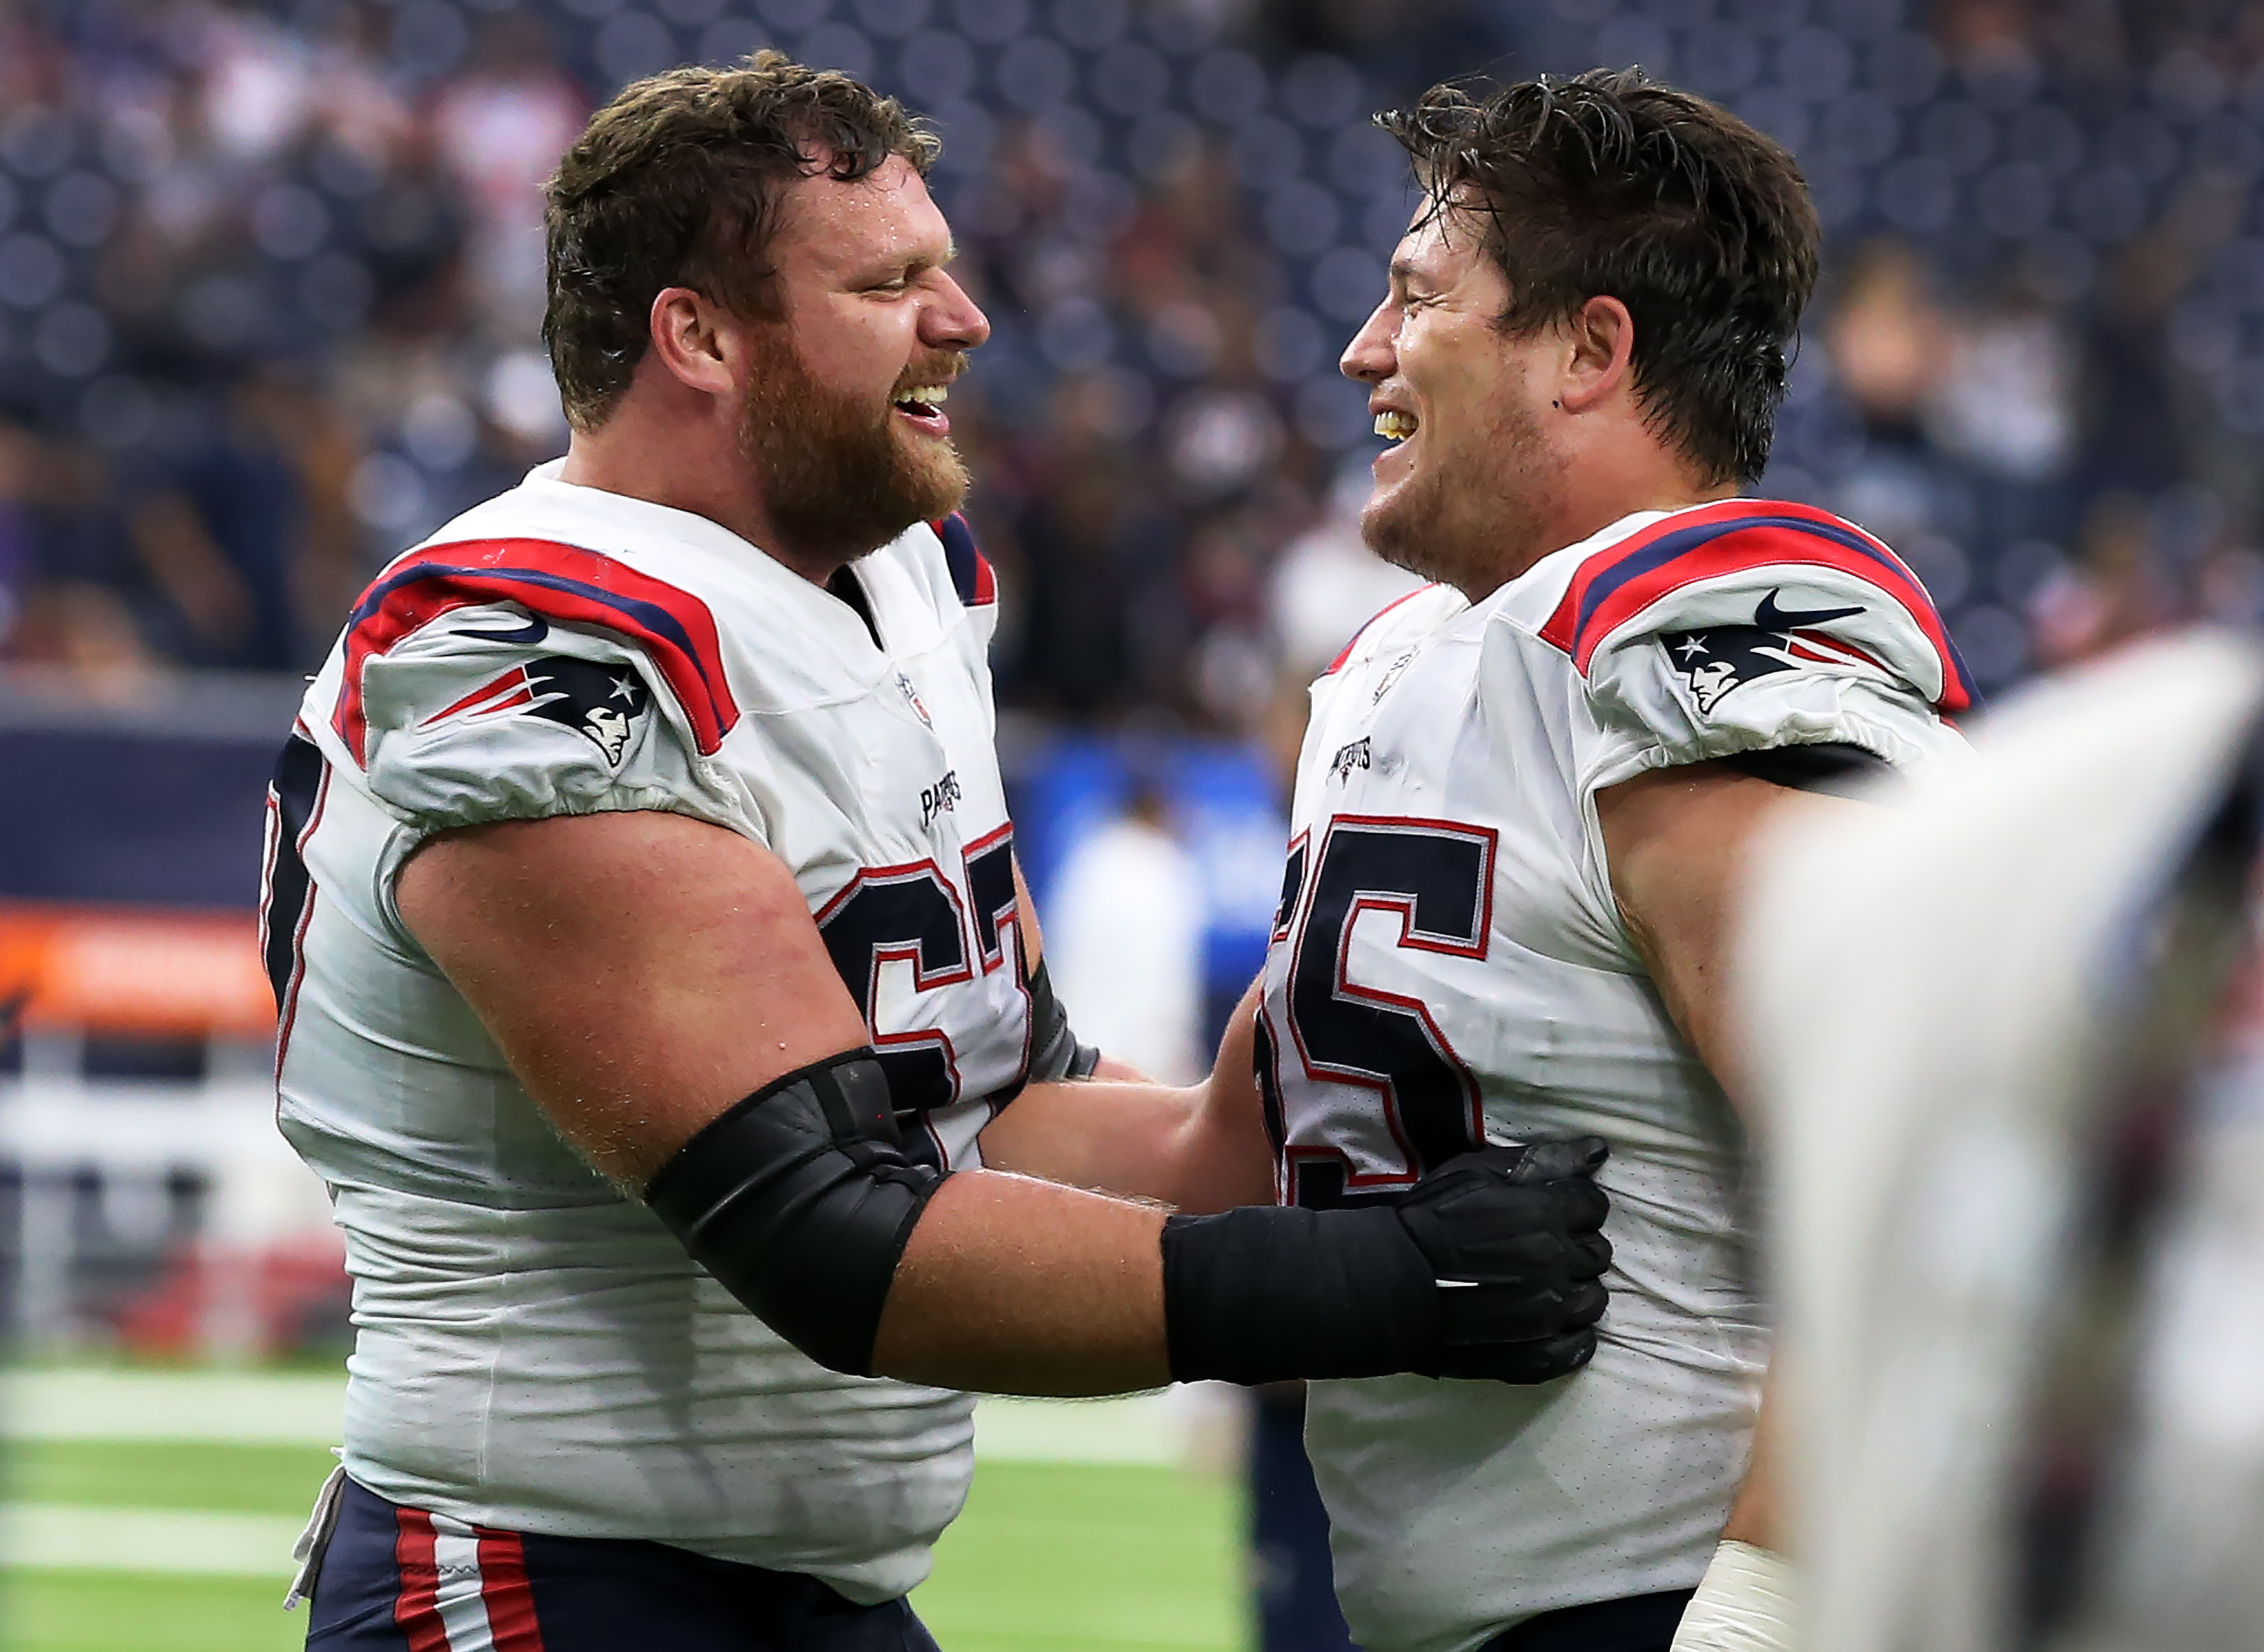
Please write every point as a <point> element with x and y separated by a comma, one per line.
<point>1119,1556</point>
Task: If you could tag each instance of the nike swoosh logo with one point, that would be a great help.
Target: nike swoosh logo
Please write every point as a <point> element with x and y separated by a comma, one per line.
<point>1769,617</point>
<point>534,630</point>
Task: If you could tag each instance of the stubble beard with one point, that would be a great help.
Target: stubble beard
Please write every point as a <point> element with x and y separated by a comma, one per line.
<point>837,480</point>
<point>1475,521</point>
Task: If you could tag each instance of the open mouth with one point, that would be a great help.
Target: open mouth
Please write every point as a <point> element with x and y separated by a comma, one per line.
<point>924,405</point>
<point>1394,426</point>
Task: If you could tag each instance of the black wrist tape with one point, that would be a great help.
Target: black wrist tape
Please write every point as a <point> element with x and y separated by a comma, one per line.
<point>1054,1052</point>
<point>1261,1294</point>
<point>800,1201</point>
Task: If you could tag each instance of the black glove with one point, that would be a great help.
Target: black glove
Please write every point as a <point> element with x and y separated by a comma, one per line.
<point>1487,1267</point>
<point>1514,1237</point>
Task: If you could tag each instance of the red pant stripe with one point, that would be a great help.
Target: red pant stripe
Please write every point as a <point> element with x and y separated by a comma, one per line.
<point>507,1594</point>
<point>417,1608</point>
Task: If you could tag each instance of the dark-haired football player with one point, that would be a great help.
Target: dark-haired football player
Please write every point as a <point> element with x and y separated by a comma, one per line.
<point>1523,801</point>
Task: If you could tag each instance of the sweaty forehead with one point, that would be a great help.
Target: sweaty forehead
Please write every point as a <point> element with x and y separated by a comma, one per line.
<point>1443,243</point>
<point>830,224</point>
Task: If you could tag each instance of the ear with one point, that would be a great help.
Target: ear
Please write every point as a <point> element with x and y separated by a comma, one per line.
<point>1598,357</point>
<point>693,339</point>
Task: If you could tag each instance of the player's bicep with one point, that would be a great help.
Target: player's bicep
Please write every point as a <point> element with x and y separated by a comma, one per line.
<point>1676,843</point>
<point>640,971</point>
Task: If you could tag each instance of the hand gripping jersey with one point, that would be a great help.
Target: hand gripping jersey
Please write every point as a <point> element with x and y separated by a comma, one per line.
<point>1449,966</point>
<point>534,1350</point>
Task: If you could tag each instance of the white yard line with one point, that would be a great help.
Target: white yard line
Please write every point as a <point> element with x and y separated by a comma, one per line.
<point>56,1534</point>
<point>222,1407</point>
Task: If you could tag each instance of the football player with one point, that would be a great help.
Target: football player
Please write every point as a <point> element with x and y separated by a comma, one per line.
<point>1523,799</point>
<point>650,948</point>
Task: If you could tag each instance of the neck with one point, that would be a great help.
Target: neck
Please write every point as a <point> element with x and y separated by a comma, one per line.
<point>1589,499</point>
<point>695,468</point>
<point>1594,515</point>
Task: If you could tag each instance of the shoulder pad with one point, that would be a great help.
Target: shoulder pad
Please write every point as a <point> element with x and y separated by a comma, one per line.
<point>552,583</point>
<point>1760,587</point>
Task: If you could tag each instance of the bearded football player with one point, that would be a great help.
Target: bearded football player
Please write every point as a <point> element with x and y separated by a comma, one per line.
<point>653,968</point>
<point>1523,799</point>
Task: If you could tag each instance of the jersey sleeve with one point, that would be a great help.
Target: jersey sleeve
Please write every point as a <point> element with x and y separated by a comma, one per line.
<point>974,582</point>
<point>1755,626</point>
<point>545,682</point>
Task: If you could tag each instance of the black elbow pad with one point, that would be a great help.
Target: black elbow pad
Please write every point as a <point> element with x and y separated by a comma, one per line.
<point>800,1201</point>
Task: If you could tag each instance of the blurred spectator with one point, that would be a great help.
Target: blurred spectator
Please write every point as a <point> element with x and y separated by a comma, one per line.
<point>270,280</point>
<point>2116,591</point>
<point>502,127</point>
<point>1328,583</point>
<point>245,529</point>
<point>1124,932</point>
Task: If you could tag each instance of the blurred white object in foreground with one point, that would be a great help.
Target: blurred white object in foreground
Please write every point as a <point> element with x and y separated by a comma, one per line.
<point>1936,989</point>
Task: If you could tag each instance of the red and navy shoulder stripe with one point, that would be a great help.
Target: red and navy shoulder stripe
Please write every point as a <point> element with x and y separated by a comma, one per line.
<point>970,570</point>
<point>562,582</point>
<point>1619,581</point>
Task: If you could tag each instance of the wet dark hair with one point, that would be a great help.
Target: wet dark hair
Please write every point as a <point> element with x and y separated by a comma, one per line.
<point>1608,184</point>
<point>678,183</point>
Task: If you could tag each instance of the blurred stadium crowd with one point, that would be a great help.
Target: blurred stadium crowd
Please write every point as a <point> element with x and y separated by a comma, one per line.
<point>271,280</point>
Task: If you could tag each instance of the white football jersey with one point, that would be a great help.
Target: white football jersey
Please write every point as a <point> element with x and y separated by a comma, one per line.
<point>534,1351</point>
<point>1449,967</point>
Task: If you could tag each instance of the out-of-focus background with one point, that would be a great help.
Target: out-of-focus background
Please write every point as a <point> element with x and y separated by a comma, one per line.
<point>270,283</point>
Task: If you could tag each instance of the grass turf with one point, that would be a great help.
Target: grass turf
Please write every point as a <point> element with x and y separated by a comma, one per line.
<point>1049,1557</point>
<point>145,1475</point>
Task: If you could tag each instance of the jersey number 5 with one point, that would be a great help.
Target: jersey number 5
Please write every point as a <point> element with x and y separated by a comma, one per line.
<point>1437,878</point>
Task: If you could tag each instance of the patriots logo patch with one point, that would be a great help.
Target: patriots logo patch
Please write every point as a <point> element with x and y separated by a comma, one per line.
<point>1392,673</point>
<point>601,703</point>
<point>1721,658</point>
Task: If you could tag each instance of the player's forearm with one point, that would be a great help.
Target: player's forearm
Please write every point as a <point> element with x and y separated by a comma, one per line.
<point>1200,1149</point>
<point>1139,1141</point>
<point>1019,1286</point>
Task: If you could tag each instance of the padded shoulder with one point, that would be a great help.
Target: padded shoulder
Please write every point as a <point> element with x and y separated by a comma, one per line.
<point>518,679</point>
<point>1779,569</point>
<point>1750,625</point>
<point>554,584</point>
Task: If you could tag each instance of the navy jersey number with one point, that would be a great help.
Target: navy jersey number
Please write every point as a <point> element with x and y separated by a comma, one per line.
<point>1437,878</point>
<point>293,804</point>
<point>913,914</point>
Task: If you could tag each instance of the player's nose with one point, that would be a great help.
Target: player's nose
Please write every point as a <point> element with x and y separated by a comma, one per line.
<point>954,321</point>
<point>1372,355</point>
